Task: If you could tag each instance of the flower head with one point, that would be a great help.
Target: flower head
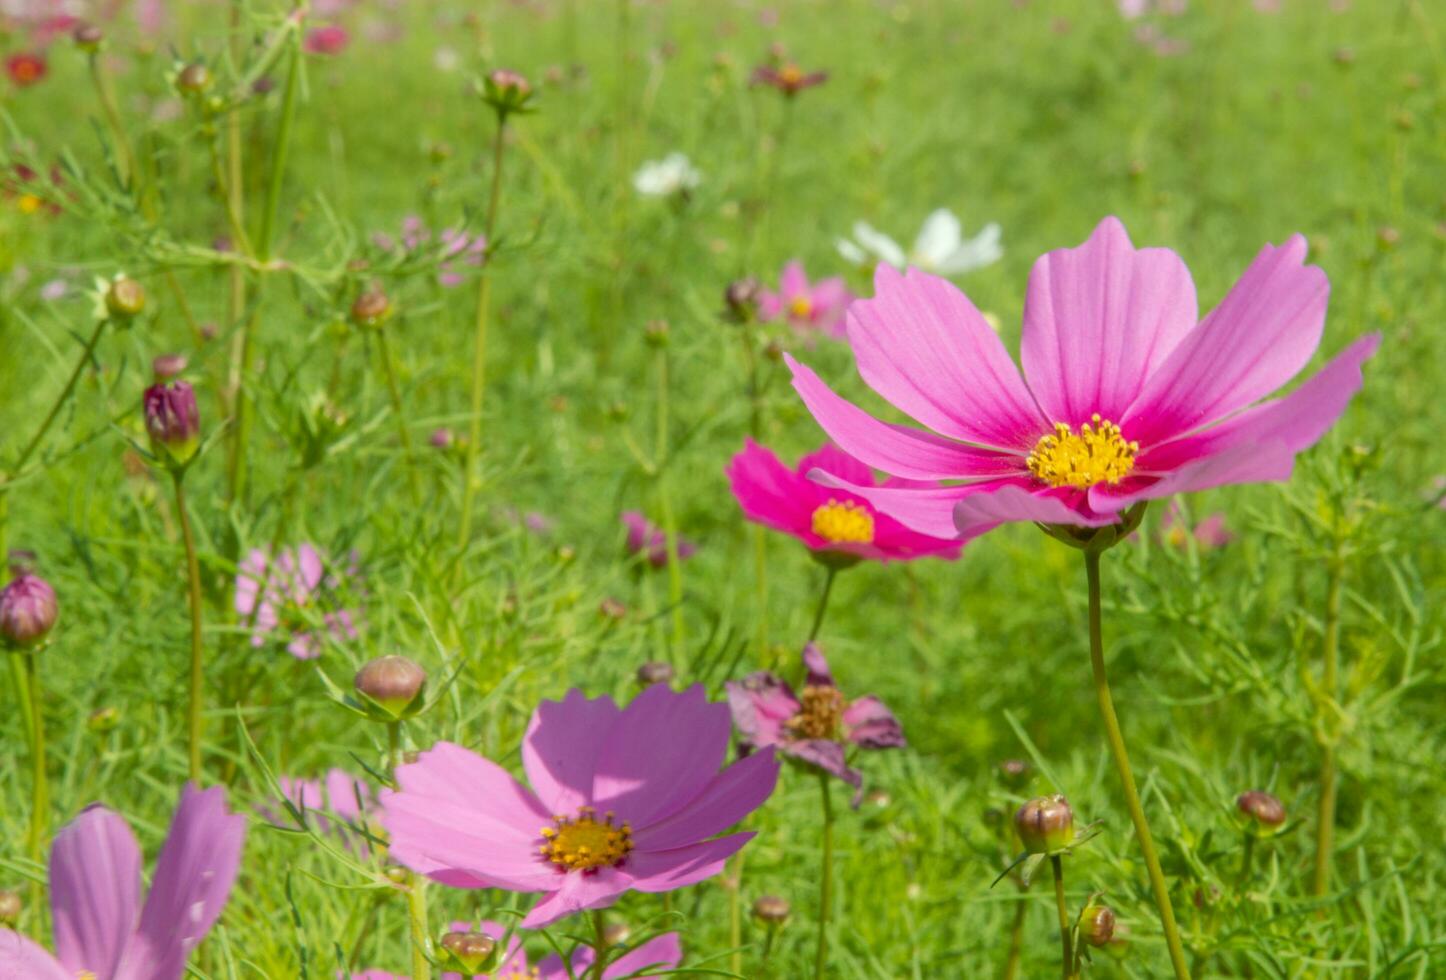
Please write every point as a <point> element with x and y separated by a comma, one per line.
<point>646,538</point>
<point>506,91</point>
<point>101,928</point>
<point>25,68</point>
<point>670,176</point>
<point>806,306</point>
<point>836,525</point>
<point>28,610</point>
<point>621,799</point>
<point>940,248</point>
<point>817,726</point>
<point>172,421</point>
<point>289,599</point>
<point>1124,398</point>
<point>788,78</point>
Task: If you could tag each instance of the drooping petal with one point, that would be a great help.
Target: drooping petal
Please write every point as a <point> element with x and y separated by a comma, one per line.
<point>872,725</point>
<point>22,959</point>
<point>896,449</point>
<point>578,892</point>
<point>1098,319</point>
<point>828,755</point>
<point>938,238</point>
<point>663,871</point>
<point>816,672</point>
<point>733,794</point>
<point>194,874</point>
<point>1257,339</point>
<point>660,753</point>
<point>560,749</point>
<point>95,889</point>
<point>760,704</point>
<point>921,344</point>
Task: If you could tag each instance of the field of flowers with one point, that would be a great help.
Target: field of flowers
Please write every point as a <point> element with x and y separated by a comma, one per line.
<point>813,488</point>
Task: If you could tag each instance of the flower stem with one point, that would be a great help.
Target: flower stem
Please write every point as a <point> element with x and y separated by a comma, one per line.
<point>1245,858</point>
<point>193,578</point>
<point>40,784</point>
<point>1330,654</point>
<point>64,397</point>
<point>421,932</point>
<point>1056,864</point>
<point>600,945</point>
<point>1127,776</point>
<point>822,604</point>
<point>661,457</point>
<point>1016,941</point>
<point>825,878</point>
<point>389,369</point>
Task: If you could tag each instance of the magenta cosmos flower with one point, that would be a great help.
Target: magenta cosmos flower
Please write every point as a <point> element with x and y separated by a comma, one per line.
<point>663,952</point>
<point>818,726</point>
<point>806,306</point>
<point>646,538</point>
<point>835,524</point>
<point>101,929</point>
<point>621,799</point>
<point>293,592</point>
<point>1124,397</point>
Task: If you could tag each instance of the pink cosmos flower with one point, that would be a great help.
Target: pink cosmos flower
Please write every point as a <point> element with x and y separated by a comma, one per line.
<point>101,929</point>
<point>1209,534</point>
<point>621,799</point>
<point>26,68</point>
<point>835,524</point>
<point>645,537</point>
<point>818,726</point>
<point>816,307</point>
<point>452,246</point>
<point>336,797</point>
<point>292,592</point>
<point>330,39</point>
<point>1124,398</point>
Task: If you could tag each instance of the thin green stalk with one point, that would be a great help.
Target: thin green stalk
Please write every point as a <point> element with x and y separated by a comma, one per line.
<point>769,936</point>
<point>661,456</point>
<point>193,578</point>
<point>1330,668</point>
<point>389,368</point>
<point>65,393</point>
<point>129,170</point>
<point>421,932</point>
<point>235,197</point>
<point>1246,855</point>
<point>1127,776</point>
<point>600,945</point>
<point>471,478</point>
<point>825,879</point>
<point>735,914</point>
<point>822,604</point>
<point>1016,941</point>
<point>1056,865</point>
<point>40,783</point>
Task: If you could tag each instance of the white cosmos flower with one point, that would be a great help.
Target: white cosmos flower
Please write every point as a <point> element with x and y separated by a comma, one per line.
<point>674,174</point>
<point>941,247</point>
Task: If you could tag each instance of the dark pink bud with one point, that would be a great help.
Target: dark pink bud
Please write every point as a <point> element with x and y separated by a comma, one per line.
<point>168,366</point>
<point>27,610</point>
<point>172,421</point>
<point>1262,808</point>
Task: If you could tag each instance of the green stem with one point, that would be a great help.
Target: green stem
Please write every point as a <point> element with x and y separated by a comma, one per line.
<point>825,879</point>
<point>1056,864</point>
<point>421,932</point>
<point>65,393</point>
<point>1127,776</point>
<point>479,342</point>
<point>389,368</point>
<point>1246,855</point>
<point>129,170</point>
<point>40,784</point>
<point>394,748</point>
<point>193,577</point>
<point>1330,668</point>
<point>600,945</point>
<point>1016,941</point>
<point>735,914</point>
<point>822,604</point>
<point>661,456</point>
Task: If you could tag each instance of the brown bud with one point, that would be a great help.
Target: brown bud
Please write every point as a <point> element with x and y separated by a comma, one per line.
<point>193,79</point>
<point>10,907</point>
<point>371,308</point>
<point>1045,824</point>
<point>1097,924</point>
<point>1262,808</point>
<point>772,910</point>
<point>656,333</point>
<point>392,683</point>
<point>655,672</point>
<point>87,37</point>
<point>616,933</point>
<point>612,609</point>
<point>471,950</point>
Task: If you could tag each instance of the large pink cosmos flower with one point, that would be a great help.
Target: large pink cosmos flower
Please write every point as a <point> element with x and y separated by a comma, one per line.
<point>1124,397</point>
<point>835,524</point>
<point>101,930</point>
<point>292,591</point>
<point>625,799</point>
<point>807,307</point>
<point>663,953</point>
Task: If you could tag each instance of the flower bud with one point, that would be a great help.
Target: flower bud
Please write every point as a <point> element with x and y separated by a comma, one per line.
<point>1261,809</point>
<point>28,610</point>
<point>655,672</point>
<point>168,366</point>
<point>441,438</point>
<point>616,933</point>
<point>124,298</point>
<point>193,79</point>
<point>506,91</point>
<point>371,308</point>
<point>10,907</point>
<point>470,952</point>
<point>102,721</point>
<point>656,333</point>
<point>393,685</point>
<point>172,421</point>
<point>87,37</point>
<point>772,910</point>
<point>611,608</point>
<point>741,298</point>
<point>1097,924</point>
<point>1015,773</point>
<point>1045,824</point>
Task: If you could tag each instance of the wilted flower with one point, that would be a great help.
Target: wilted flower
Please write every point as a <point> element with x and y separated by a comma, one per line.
<point>625,799</point>
<point>28,610</point>
<point>818,726</point>
<point>672,175</point>
<point>741,298</point>
<point>941,247</point>
<point>646,538</point>
<point>1127,399</point>
<point>788,79</point>
<point>25,68</point>
<point>293,593</point>
<point>173,421</point>
<point>806,306</point>
<point>193,78</point>
<point>371,308</point>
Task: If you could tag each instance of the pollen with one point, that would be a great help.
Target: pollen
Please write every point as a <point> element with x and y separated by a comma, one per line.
<point>585,842</point>
<point>844,523</point>
<point>800,308</point>
<point>820,714</point>
<point>1098,453</point>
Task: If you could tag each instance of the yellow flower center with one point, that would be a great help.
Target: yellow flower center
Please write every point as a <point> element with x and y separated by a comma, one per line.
<point>29,204</point>
<point>584,843</point>
<point>85,975</point>
<point>801,307</point>
<point>821,713</point>
<point>1098,453</point>
<point>790,74</point>
<point>518,973</point>
<point>844,523</point>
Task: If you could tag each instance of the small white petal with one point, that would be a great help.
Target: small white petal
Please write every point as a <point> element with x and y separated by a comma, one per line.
<point>938,239</point>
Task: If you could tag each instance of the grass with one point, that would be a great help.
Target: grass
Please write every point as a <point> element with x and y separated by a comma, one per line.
<point>1044,120</point>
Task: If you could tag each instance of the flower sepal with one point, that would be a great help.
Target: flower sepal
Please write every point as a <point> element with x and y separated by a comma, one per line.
<point>1097,540</point>
<point>835,559</point>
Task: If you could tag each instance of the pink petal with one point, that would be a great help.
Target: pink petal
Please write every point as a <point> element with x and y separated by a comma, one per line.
<point>1257,339</point>
<point>578,892</point>
<point>793,282</point>
<point>732,795</point>
<point>560,749</point>
<point>923,346</point>
<point>664,871</point>
<point>760,704</point>
<point>828,755</point>
<point>21,959</point>
<point>895,541</point>
<point>95,889</point>
<point>1098,320</point>
<point>772,494</point>
<point>872,725</point>
<point>896,449</point>
<point>926,510</point>
<point>832,459</point>
<point>1020,500</point>
<point>664,951</point>
<point>311,567</point>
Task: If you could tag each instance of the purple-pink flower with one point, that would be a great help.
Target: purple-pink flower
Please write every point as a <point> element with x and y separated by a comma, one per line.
<point>646,538</point>
<point>833,523</point>
<point>805,306</point>
<point>101,928</point>
<point>818,725</point>
<point>452,246</point>
<point>1124,396</point>
<point>622,800</point>
<point>293,592</point>
<point>328,39</point>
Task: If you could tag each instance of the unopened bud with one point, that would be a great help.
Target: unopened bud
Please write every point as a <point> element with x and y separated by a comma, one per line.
<point>1262,809</point>
<point>441,438</point>
<point>1097,924</point>
<point>656,333</point>
<point>741,297</point>
<point>28,610</point>
<point>506,91</point>
<point>612,609</point>
<point>371,308</point>
<point>193,79</point>
<point>655,672</point>
<point>124,298</point>
<point>1015,773</point>
<point>772,910</point>
<point>87,37</point>
<point>616,933</point>
<point>1045,824</point>
<point>168,366</point>
<point>103,720</point>
<point>469,951</point>
<point>393,685</point>
<point>10,907</point>
<point>172,421</point>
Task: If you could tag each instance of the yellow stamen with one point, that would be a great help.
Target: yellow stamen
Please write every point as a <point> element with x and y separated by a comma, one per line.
<point>800,308</point>
<point>821,713</point>
<point>586,843</point>
<point>29,204</point>
<point>844,523</point>
<point>1098,453</point>
<point>790,74</point>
